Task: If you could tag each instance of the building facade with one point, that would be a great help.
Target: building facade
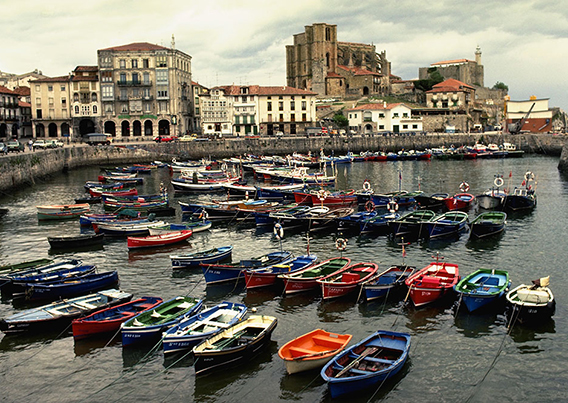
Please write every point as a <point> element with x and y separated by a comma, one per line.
<point>535,112</point>
<point>383,117</point>
<point>85,102</point>
<point>145,90</point>
<point>318,62</point>
<point>470,72</point>
<point>9,113</point>
<point>252,110</point>
<point>51,116</point>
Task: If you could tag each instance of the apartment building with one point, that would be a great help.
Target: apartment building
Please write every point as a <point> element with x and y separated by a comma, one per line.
<point>9,113</point>
<point>383,117</point>
<point>51,115</point>
<point>145,90</point>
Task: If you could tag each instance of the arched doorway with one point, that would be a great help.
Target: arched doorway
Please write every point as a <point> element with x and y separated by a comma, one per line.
<point>365,90</point>
<point>164,128</point>
<point>52,130</point>
<point>15,127</point>
<point>86,126</point>
<point>110,128</point>
<point>65,130</point>
<point>40,130</point>
<point>125,128</point>
<point>368,129</point>
<point>3,130</point>
<point>136,128</point>
<point>148,128</point>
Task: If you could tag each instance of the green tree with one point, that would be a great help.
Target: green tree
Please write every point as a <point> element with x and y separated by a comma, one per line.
<point>434,77</point>
<point>340,120</point>
<point>500,86</point>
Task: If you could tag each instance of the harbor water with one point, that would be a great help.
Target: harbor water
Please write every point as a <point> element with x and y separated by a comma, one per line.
<point>454,357</point>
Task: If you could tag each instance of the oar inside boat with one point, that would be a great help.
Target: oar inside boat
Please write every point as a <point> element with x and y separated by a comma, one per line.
<point>368,351</point>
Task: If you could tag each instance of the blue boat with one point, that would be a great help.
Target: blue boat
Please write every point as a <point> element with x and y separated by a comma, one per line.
<point>369,362</point>
<point>194,260</point>
<point>522,199</point>
<point>19,282</point>
<point>148,326</point>
<point>387,282</point>
<point>446,224</point>
<point>482,287</point>
<point>412,224</point>
<point>193,330</point>
<point>378,224</point>
<point>266,276</point>
<point>488,224</point>
<point>220,273</point>
<point>72,287</point>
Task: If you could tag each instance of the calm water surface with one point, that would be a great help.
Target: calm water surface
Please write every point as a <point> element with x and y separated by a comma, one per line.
<point>453,357</point>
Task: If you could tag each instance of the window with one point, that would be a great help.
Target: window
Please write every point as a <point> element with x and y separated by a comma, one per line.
<point>292,105</point>
<point>304,117</point>
<point>268,106</point>
<point>381,127</point>
<point>161,76</point>
<point>146,78</point>
<point>123,95</point>
<point>122,63</point>
<point>108,91</point>
<point>50,101</point>
<point>280,106</point>
<point>106,76</point>
<point>244,99</point>
<point>93,97</point>
<point>37,88</point>
<point>145,63</point>
<point>62,88</point>
<point>77,110</point>
<point>75,97</point>
<point>415,126</point>
<point>134,63</point>
<point>50,88</point>
<point>161,61</point>
<point>303,105</point>
<point>135,78</point>
<point>63,102</point>
<point>405,126</point>
<point>237,120</point>
<point>94,109</point>
<point>148,107</point>
<point>122,78</point>
<point>108,108</point>
<point>124,108</point>
<point>38,101</point>
<point>292,117</point>
<point>38,113</point>
<point>381,115</point>
<point>281,118</point>
<point>395,115</point>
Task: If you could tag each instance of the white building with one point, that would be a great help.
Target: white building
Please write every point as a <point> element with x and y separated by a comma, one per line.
<point>383,117</point>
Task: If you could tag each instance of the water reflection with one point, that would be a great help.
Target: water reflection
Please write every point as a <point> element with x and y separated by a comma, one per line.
<point>90,345</point>
<point>524,335</point>
<point>428,318</point>
<point>478,324</point>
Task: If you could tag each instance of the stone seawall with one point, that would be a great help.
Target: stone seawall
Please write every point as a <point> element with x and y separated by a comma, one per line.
<point>24,168</point>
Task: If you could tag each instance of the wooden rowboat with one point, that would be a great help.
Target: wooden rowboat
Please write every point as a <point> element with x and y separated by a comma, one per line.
<point>346,280</point>
<point>306,279</point>
<point>152,241</point>
<point>61,212</point>
<point>432,282</point>
<point>312,350</point>
<point>195,259</point>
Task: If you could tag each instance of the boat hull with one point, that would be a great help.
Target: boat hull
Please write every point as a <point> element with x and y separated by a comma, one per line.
<point>195,260</point>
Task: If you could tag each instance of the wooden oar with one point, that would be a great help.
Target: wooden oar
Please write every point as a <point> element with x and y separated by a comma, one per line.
<point>368,351</point>
<point>314,354</point>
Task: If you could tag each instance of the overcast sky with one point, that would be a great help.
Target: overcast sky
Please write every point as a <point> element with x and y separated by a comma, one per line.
<point>524,43</point>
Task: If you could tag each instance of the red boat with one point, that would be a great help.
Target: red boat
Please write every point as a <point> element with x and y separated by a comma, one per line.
<point>151,241</point>
<point>303,198</point>
<point>346,280</point>
<point>97,192</point>
<point>341,198</point>
<point>459,201</point>
<point>256,278</point>
<point>109,320</point>
<point>432,282</point>
<point>306,279</point>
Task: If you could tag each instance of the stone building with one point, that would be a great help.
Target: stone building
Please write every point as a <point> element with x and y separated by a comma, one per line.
<point>470,72</point>
<point>9,113</point>
<point>198,90</point>
<point>318,62</point>
<point>84,95</point>
<point>145,90</point>
<point>243,110</point>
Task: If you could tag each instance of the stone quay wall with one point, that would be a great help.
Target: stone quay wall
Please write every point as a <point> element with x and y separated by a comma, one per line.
<point>23,169</point>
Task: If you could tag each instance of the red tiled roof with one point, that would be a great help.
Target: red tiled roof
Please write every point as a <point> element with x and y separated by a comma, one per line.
<point>85,78</point>
<point>451,62</point>
<point>258,90</point>
<point>331,74</point>
<point>138,46</point>
<point>375,107</point>
<point>4,90</point>
<point>358,71</point>
<point>52,79</point>
<point>450,85</point>
<point>22,91</point>
<point>86,68</point>
<point>23,104</point>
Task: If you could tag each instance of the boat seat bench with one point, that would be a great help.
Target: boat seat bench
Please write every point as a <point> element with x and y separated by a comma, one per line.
<point>379,360</point>
<point>327,341</point>
<point>298,351</point>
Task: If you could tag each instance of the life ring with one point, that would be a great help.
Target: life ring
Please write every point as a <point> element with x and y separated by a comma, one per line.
<point>278,231</point>
<point>174,160</point>
<point>369,206</point>
<point>340,243</point>
<point>464,186</point>
<point>498,182</point>
<point>366,185</point>
<point>392,206</point>
<point>203,215</point>
<point>224,166</point>
<point>322,195</point>
<point>529,176</point>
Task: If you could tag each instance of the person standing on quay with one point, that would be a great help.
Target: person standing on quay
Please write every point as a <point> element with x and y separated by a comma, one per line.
<point>30,145</point>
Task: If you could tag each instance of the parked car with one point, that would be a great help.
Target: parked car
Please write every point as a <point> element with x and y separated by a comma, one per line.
<point>58,143</point>
<point>51,143</point>
<point>165,139</point>
<point>3,148</point>
<point>40,144</point>
<point>94,139</point>
<point>188,137</point>
<point>15,145</point>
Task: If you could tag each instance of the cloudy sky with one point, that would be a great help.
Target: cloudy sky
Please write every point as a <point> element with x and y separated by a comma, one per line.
<point>524,43</point>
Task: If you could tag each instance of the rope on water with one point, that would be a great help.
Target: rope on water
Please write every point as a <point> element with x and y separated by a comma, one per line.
<point>42,347</point>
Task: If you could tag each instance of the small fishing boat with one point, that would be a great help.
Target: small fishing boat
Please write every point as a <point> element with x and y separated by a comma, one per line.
<point>22,266</point>
<point>446,224</point>
<point>193,260</point>
<point>75,241</point>
<point>125,215</point>
<point>531,303</point>
<point>387,282</point>
<point>433,202</point>
<point>193,330</point>
<point>58,315</point>
<point>488,224</point>
<point>492,198</point>
<point>60,289</point>
<point>369,362</point>
<point>238,343</point>
<point>124,229</point>
<point>152,241</point>
<point>459,201</point>
<point>432,282</point>
<point>109,320</point>
<point>482,287</point>
<point>61,212</point>
<point>346,280</point>
<point>147,326</point>
<point>219,273</point>
<point>379,224</point>
<point>522,198</point>
<point>256,278</point>
<point>194,226</point>
<point>88,200</point>
<point>306,279</point>
<point>312,350</point>
<point>412,224</point>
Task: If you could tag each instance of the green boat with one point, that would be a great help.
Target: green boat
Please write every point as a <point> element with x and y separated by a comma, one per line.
<point>482,287</point>
<point>306,279</point>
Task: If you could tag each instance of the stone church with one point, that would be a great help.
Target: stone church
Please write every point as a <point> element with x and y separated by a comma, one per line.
<point>318,62</point>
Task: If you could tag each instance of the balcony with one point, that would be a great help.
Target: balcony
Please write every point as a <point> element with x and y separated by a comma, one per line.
<point>133,83</point>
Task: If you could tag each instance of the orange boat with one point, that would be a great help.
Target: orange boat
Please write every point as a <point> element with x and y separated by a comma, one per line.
<point>312,350</point>
<point>135,242</point>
